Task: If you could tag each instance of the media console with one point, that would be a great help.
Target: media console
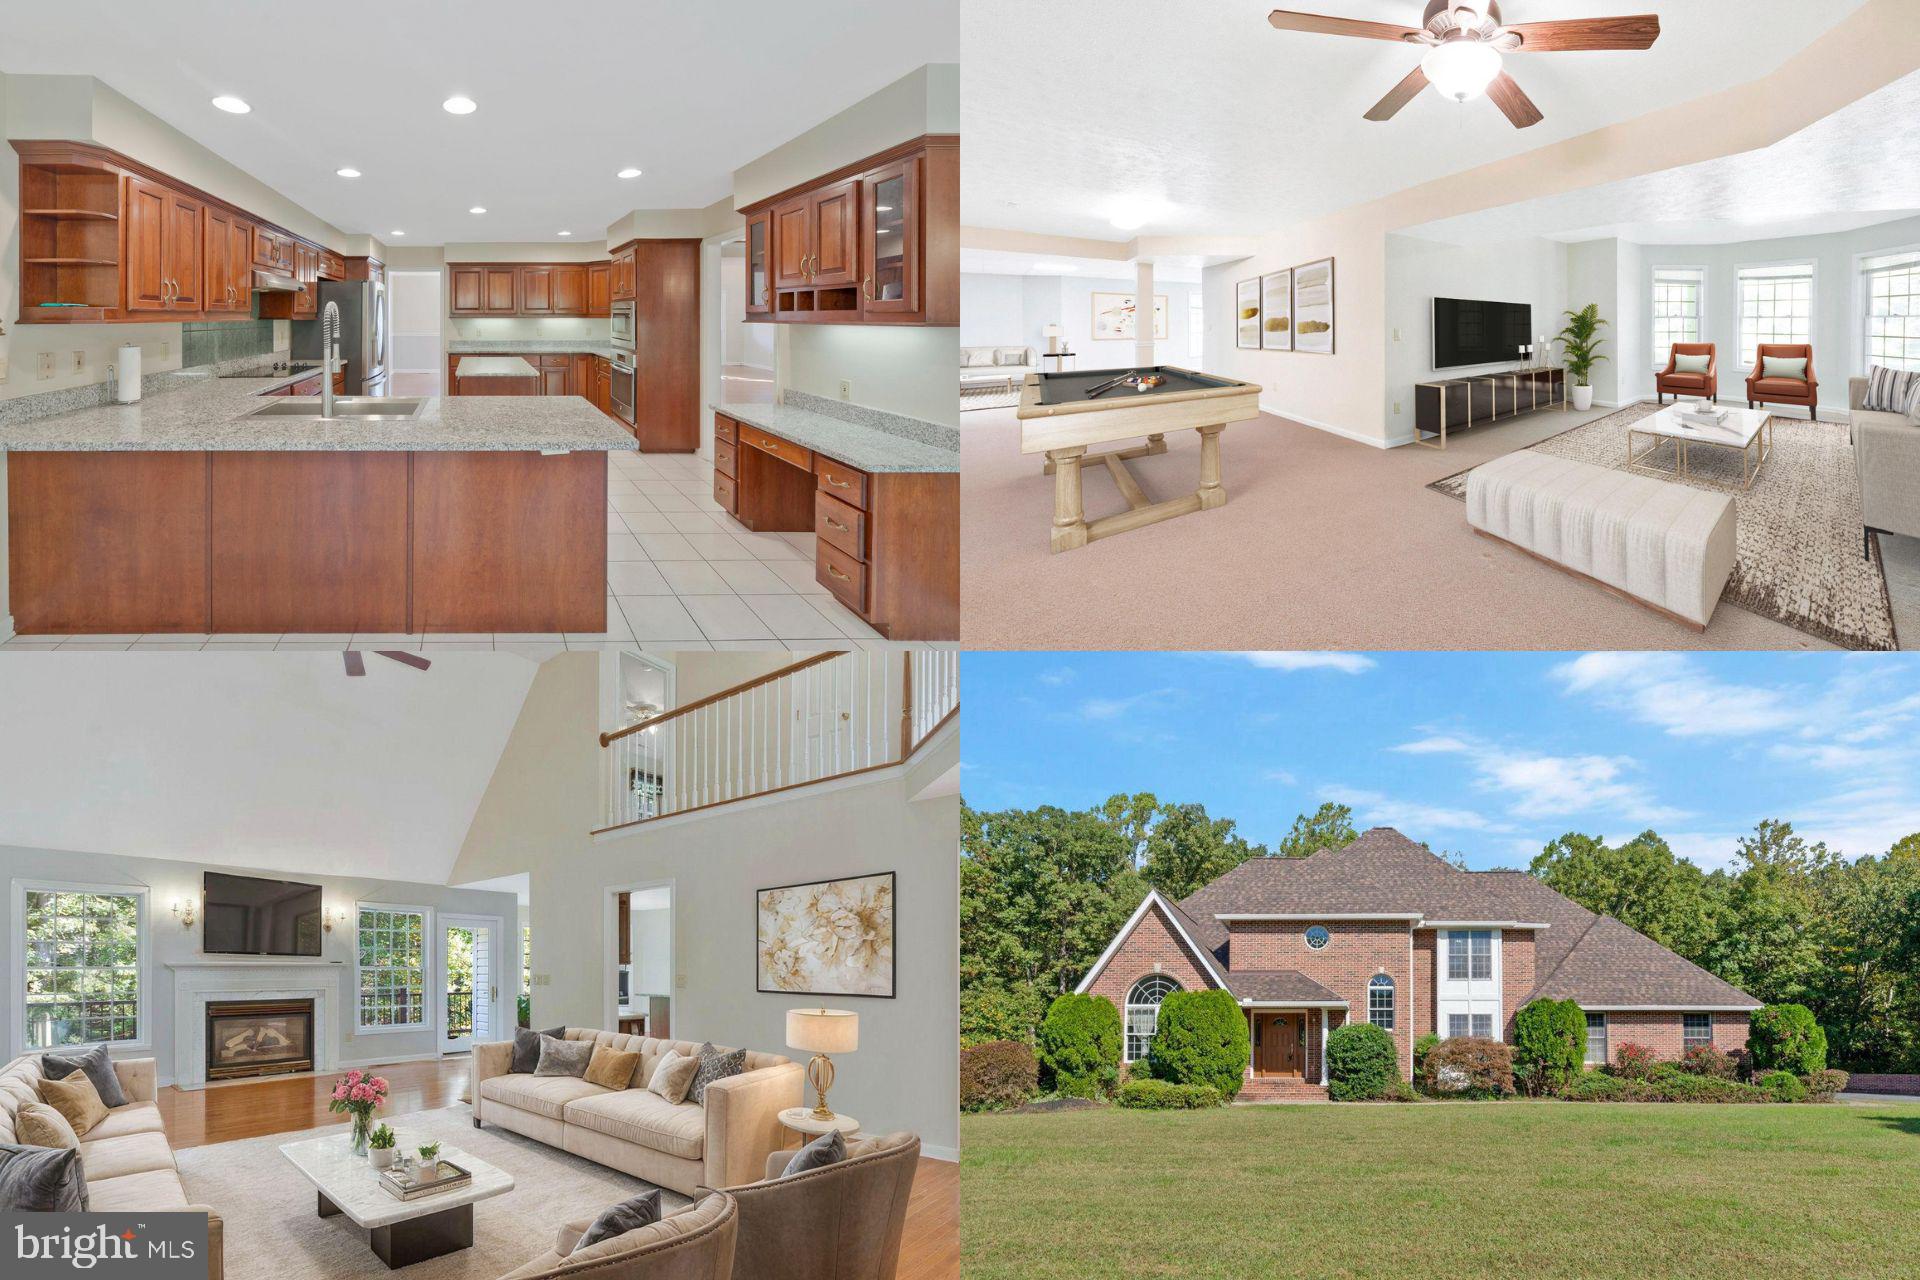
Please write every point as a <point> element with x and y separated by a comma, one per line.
<point>1456,403</point>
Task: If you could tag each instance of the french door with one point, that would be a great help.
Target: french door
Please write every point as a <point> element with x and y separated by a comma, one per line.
<point>469,967</point>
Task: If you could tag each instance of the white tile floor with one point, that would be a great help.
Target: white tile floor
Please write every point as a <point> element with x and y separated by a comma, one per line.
<point>681,573</point>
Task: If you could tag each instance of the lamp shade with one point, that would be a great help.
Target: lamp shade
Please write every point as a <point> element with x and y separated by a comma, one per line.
<point>1461,69</point>
<point>823,1030</point>
<point>1052,331</point>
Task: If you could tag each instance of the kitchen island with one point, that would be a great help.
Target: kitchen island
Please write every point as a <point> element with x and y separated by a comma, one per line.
<point>182,513</point>
<point>496,376</point>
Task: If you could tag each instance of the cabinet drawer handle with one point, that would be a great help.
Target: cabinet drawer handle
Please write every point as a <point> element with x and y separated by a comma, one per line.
<point>838,484</point>
<point>835,524</point>
<point>866,287</point>
<point>836,573</point>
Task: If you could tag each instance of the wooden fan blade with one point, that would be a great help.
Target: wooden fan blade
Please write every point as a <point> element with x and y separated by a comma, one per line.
<point>413,660</point>
<point>1399,96</point>
<point>1320,24</point>
<point>1638,31</point>
<point>1514,102</point>
<point>356,665</point>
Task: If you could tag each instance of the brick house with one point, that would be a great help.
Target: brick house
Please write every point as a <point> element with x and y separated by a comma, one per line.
<point>1383,931</point>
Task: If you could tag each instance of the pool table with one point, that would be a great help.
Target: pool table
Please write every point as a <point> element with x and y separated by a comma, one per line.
<point>1060,418</point>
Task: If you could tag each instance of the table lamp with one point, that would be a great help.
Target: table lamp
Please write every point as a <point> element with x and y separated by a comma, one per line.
<point>1053,332</point>
<point>822,1032</point>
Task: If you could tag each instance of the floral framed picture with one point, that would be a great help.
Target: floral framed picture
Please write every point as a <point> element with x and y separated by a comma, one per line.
<point>1246,301</point>
<point>826,938</point>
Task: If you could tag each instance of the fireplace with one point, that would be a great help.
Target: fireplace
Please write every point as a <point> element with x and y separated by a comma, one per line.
<point>258,1037</point>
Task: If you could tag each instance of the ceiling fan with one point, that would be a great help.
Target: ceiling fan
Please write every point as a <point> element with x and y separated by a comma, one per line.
<point>1465,40</point>
<point>357,663</point>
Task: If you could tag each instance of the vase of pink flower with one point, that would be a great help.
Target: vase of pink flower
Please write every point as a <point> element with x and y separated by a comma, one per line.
<point>359,1095</point>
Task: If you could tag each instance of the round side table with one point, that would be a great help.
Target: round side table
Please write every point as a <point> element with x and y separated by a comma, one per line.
<point>802,1121</point>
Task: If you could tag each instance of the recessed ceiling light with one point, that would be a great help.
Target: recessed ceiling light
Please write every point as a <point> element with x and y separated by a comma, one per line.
<point>628,173</point>
<point>564,233</point>
<point>229,103</point>
<point>479,208</point>
<point>459,106</point>
<point>347,173</point>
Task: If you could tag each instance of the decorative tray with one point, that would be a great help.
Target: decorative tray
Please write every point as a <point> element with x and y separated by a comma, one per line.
<point>417,1180</point>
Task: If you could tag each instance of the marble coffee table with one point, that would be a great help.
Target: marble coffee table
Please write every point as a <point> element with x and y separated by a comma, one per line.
<point>401,1232</point>
<point>1748,430</point>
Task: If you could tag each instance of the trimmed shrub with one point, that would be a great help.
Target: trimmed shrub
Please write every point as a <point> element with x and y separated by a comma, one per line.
<point>1783,1086</point>
<point>1201,1038</point>
<point>1594,1086</point>
<point>997,1074</point>
<point>1422,1047</point>
<point>1667,1083</point>
<point>1080,1045</point>
<point>1362,1063</point>
<point>1785,1037</point>
<point>1705,1060</point>
<point>1822,1085</point>
<point>1633,1061</point>
<point>1468,1067</point>
<point>1549,1041</point>
<point>1165,1095</point>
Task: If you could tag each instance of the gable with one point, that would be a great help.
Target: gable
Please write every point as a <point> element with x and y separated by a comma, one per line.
<point>1153,940</point>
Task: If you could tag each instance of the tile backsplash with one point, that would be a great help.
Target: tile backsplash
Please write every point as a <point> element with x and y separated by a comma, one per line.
<point>216,341</point>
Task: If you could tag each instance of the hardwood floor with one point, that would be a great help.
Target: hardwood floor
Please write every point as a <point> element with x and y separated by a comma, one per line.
<point>929,1248</point>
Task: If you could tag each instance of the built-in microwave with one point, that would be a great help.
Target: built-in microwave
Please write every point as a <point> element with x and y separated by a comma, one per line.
<point>621,325</point>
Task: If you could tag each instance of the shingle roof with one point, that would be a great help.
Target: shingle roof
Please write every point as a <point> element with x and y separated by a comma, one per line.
<point>1278,984</point>
<point>1612,966</point>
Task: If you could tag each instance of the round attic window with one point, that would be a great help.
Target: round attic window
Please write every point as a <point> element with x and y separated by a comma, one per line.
<point>1317,937</point>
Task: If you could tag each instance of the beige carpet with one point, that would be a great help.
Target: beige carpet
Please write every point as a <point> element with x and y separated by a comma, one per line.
<point>1800,552</point>
<point>273,1231</point>
<point>1324,543</point>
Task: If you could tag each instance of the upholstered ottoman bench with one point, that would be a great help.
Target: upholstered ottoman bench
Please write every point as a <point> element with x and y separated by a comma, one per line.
<point>1667,546</point>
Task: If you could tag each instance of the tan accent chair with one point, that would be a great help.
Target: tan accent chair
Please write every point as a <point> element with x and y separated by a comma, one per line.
<point>1670,382</point>
<point>842,1222</point>
<point>1763,390</point>
<point>684,1146</point>
<point>695,1244</point>
<point>127,1160</point>
<point>1886,453</point>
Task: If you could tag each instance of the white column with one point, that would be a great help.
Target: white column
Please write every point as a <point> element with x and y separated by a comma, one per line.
<point>1323,1046</point>
<point>1250,1048</point>
<point>1143,313</point>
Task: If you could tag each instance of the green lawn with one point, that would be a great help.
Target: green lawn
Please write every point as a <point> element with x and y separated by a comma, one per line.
<point>1538,1191</point>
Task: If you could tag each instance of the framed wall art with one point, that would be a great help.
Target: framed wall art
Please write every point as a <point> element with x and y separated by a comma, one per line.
<point>826,938</point>
<point>1276,311</point>
<point>1313,307</point>
<point>1113,317</point>
<point>1246,301</point>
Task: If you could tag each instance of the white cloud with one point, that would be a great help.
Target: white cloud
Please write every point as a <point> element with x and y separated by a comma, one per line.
<point>1676,693</point>
<point>1433,746</point>
<point>1349,663</point>
<point>1114,708</point>
<point>1056,676</point>
<point>1707,850</point>
<point>1410,817</point>
<point>1281,776</point>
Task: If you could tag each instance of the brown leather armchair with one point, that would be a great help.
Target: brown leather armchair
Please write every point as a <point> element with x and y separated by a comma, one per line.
<point>1763,390</point>
<point>1670,382</point>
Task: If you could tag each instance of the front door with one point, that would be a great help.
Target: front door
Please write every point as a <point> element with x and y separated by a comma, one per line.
<point>1278,1051</point>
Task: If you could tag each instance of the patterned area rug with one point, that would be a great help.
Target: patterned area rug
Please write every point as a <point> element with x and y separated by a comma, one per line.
<point>988,398</point>
<point>1800,560</point>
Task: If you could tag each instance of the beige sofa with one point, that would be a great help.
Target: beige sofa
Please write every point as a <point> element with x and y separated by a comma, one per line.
<point>695,1244</point>
<point>1886,453</point>
<point>126,1158</point>
<point>686,1147</point>
<point>991,366</point>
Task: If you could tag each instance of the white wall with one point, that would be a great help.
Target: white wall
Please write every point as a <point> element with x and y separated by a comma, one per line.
<point>1593,268</point>
<point>172,943</point>
<point>908,369</point>
<point>993,311</point>
<point>740,342</point>
<point>1002,310</point>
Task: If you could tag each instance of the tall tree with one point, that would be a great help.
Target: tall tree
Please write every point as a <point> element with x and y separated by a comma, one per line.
<point>1132,816</point>
<point>1641,883</point>
<point>1186,849</point>
<point>1330,826</point>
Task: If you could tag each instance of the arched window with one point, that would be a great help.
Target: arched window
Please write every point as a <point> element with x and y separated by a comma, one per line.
<point>1143,1012</point>
<point>1380,1001</point>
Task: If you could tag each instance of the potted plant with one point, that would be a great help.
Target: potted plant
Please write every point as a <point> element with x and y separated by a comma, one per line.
<point>1582,340</point>
<point>429,1153</point>
<point>380,1147</point>
<point>358,1094</point>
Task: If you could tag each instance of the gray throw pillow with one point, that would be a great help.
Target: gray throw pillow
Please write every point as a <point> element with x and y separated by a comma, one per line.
<point>563,1057</point>
<point>715,1065</point>
<point>41,1179</point>
<point>828,1148</point>
<point>526,1049</point>
<point>97,1065</point>
<point>642,1210</point>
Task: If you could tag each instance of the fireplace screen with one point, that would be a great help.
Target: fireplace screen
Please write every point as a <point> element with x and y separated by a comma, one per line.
<point>256,1037</point>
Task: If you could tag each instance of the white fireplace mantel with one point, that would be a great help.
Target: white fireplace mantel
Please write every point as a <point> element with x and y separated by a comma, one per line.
<point>199,982</point>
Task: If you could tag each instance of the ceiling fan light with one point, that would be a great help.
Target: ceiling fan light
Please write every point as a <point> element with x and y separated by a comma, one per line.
<point>1461,69</point>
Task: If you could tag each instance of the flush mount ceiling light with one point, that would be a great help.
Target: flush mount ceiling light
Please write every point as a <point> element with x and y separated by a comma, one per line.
<point>479,208</point>
<point>396,233</point>
<point>563,233</point>
<point>347,173</point>
<point>231,105</point>
<point>1465,40</point>
<point>628,173</point>
<point>459,106</point>
<point>1130,215</point>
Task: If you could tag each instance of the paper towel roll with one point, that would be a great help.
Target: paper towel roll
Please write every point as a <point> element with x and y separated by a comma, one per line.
<point>126,374</point>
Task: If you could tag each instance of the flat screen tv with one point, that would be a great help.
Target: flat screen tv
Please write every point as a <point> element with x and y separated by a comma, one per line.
<point>249,916</point>
<point>1468,332</point>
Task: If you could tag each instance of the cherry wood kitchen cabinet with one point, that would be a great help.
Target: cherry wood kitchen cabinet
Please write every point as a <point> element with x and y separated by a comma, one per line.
<point>666,322</point>
<point>529,288</point>
<point>306,273</point>
<point>536,291</point>
<point>623,280</point>
<point>556,374</point>
<point>599,288</point>
<point>569,288</point>
<point>229,262</point>
<point>332,266</point>
<point>164,248</point>
<point>759,256</point>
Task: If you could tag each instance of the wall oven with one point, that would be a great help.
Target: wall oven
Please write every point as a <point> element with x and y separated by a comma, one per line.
<point>620,325</point>
<point>621,396</point>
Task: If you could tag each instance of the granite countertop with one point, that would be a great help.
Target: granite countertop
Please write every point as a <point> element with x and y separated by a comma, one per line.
<point>206,413</point>
<point>550,346</point>
<point>497,367</point>
<point>878,443</point>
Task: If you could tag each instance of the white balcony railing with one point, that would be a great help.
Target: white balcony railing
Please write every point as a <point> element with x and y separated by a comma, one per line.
<point>824,717</point>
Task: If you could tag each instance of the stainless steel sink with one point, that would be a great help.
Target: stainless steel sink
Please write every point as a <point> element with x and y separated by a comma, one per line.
<point>358,408</point>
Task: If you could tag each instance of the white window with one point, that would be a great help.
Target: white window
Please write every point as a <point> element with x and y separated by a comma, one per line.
<point>1891,291</point>
<point>1679,309</point>
<point>1596,1039</point>
<point>1696,1030</point>
<point>1456,1025</point>
<point>1143,1012</point>
<point>1380,1001</point>
<point>1470,954</point>
<point>1776,305</point>
<point>392,968</point>
<point>1468,995</point>
<point>1483,1025</point>
<point>84,964</point>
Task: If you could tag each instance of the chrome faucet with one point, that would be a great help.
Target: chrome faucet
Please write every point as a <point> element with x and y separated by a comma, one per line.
<point>329,355</point>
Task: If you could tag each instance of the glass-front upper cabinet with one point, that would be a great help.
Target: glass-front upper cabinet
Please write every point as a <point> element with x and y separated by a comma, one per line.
<point>890,239</point>
<point>759,287</point>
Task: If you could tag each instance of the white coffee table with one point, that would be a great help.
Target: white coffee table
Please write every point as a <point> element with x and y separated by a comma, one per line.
<point>1748,430</point>
<point>401,1232</point>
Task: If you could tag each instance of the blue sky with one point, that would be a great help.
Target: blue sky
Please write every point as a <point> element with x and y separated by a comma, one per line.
<point>1488,754</point>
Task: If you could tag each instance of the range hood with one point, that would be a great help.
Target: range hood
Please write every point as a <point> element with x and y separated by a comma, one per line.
<point>270,282</point>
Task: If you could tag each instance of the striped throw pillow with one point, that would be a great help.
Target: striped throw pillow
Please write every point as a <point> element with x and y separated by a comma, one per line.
<point>1891,390</point>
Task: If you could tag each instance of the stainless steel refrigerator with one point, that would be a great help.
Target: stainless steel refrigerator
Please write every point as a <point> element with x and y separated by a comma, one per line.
<point>363,333</point>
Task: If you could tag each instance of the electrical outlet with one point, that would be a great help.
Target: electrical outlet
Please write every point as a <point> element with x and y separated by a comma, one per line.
<point>1396,335</point>
<point>680,981</point>
<point>1396,408</point>
<point>165,346</point>
<point>846,389</point>
<point>79,362</point>
<point>45,369</point>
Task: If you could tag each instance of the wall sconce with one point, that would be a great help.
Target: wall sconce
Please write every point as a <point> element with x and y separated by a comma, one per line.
<point>328,917</point>
<point>183,912</point>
